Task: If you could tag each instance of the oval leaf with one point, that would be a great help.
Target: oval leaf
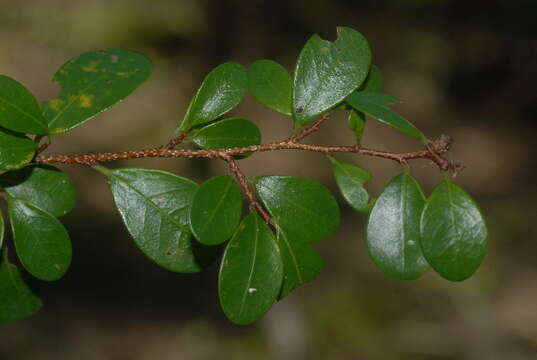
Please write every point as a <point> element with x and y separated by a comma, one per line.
<point>16,299</point>
<point>453,232</point>
<point>16,150</point>
<point>350,180</point>
<point>304,209</point>
<point>222,89</point>
<point>326,73</point>
<point>228,133</point>
<point>356,123</point>
<point>216,210</point>
<point>271,85</point>
<point>42,243</point>
<point>19,110</point>
<point>154,207</point>
<point>251,273</point>
<point>393,230</point>
<point>91,83</point>
<point>375,105</point>
<point>43,185</point>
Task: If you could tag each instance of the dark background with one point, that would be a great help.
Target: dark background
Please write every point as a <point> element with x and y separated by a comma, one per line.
<point>464,68</point>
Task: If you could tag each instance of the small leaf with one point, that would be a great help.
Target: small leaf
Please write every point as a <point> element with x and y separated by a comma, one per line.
<point>222,89</point>
<point>326,73</point>
<point>251,273</point>
<point>41,241</point>
<point>357,124</point>
<point>271,85</point>
<point>374,81</point>
<point>2,230</point>
<point>216,210</point>
<point>393,230</point>
<point>43,185</point>
<point>375,105</point>
<point>19,110</point>
<point>350,180</point>
<point>453,232</point>
<point>16,150</point>
<point>301,262</point>
<point>304,209</point>
<point>154,207</point>
<point>16,299</point>
<point>228,133</point>
<point>91,83</point>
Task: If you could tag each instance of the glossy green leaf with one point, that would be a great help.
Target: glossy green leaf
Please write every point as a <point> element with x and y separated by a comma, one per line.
<point>222,89</point>
<point>45,186</point>
<point>393,230</point>
<point>271,85</point>
<point>327,72</point>
<point>301,262</point>
<point>216,210</point>
<point>16,299</point>
<point>41,241</point>
<point>350,180</point>
<point>91,83</point>
<point>356,123</point>
<point>453,232</point>
<point>375,105</point>
<point>19,110</point>
<point>251,273</point>
<point>305,210</point>
<point>154,207</point>
<point>228,133</point>
<point>16,150</point>
<point>374,80</point>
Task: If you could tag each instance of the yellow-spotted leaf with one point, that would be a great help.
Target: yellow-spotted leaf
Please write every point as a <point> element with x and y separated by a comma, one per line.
<point>16,150</point>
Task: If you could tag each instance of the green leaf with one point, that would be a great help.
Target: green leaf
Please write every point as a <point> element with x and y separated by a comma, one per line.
<point>19,110</point>
<point>222,89</point>
<point>2,230</point>
<point>16,299</point>
<point>374,81</point>
<point>16,150</point>
<point>350,180</point>
<point>271,85</point>
<point>228,133</point>
<point>326,73</point>
<point>375,105</point>
<point>43,185</point>
<point>91,83</point>
<point>301,262</point>
<point>304,209</point>
<point>216,210</point>
<point>393,230</point>
<point>453,232</point>
<point>154,207</point>
<point>251,273</point>
<point>41,241</point>
<point>357,124</point>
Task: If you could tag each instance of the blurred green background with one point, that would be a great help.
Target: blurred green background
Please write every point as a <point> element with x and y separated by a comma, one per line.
<point>467,69</point>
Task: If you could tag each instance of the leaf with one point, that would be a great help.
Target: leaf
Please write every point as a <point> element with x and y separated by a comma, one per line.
<point>41,241</point>
<point>453,232</point>
<point>326,73</point>
<point>301,262</point>
<point>271,85</point>
<point>228,133</point>
<point>356,123</point>
<point>216,210</point>
<point>19,110</point>
<point>350,180</point>
<point>374,81</point>
<point>393,230</point>
<point>43,185</point>
<point>2,230</point>
<point>154,207</point>
<point>222,89</point>
<point>16,299</point>
<point>16,150</point>
<point>375,105</point>
<point>251,273</point>
<point>91,83</point>
<point>304,209</point>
